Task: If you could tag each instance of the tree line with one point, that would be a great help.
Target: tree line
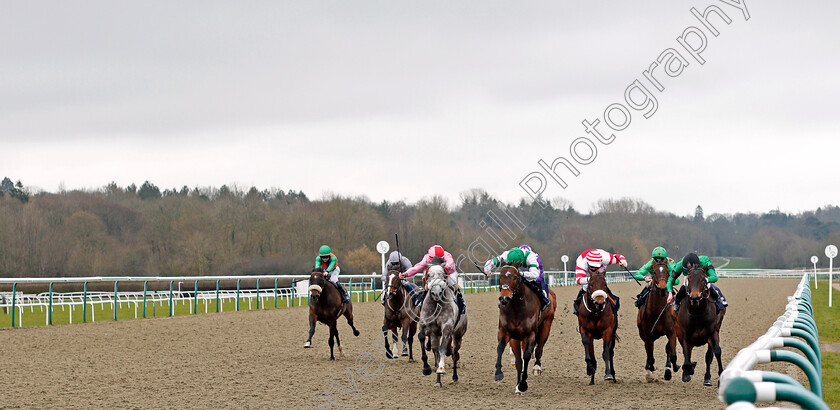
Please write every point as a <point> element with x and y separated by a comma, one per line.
<point>146,231</point>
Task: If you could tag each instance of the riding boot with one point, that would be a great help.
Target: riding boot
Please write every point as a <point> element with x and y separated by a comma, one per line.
<point>576,303</point>
<point>344,297</point>
<point>543,294</point>
<point>678,299</point>
<point>462,304</point>
<point>617,301</point>
<point>640,298</point>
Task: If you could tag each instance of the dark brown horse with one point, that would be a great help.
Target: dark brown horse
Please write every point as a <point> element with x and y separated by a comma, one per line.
<point>399,313</point>
<point>325,306</point>
<point>520,322</point>
<point>597,321</point>
<point>698,324</point>
<point>655,320</point>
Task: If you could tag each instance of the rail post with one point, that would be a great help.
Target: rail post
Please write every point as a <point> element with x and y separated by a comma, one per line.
<point>116,300</point>
<point>217,296</point>
<point>195,298</point>
<point>49,320</point>
<point>258,294</point>
<point>145,288</point>
<point>171,306</point>
<point>14,296</point>
<point>275,292</point>
<point>238,282</point>
<point>84,304</point>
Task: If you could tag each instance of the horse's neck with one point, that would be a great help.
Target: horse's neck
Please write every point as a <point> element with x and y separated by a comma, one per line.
<point>398,299</point>
<point>655,300</point>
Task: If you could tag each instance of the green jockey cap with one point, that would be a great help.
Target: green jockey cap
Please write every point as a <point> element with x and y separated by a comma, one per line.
<point>515,255</point>
<point>659,252</point>
<point>324,250</point>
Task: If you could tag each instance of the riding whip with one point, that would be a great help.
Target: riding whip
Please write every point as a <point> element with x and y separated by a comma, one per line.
<point>631,275</point>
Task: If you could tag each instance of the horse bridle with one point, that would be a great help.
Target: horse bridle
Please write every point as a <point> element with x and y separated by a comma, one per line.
<point>592,295</point>
<point>516,283</point>
<point>388,293</point>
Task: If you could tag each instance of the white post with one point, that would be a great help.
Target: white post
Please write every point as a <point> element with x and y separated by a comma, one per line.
<point>565,259</point>
<point>383,265</point>
<point>831,252</point>
<point>382,247</point>
<point>814,260</point>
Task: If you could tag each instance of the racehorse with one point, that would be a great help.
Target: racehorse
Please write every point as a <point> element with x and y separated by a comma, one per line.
<point>698,324</point>
<point>399,313</point>
<point>655,320</point>
<point>441,323</point>
<point>597,321</point>
<point>325,306</point>
<point>520,322</point>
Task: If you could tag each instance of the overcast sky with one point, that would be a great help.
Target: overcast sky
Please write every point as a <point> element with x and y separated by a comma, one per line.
<point>405,100</point>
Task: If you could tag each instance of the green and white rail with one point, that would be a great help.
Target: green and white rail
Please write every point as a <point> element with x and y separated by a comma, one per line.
<point>741,386</point>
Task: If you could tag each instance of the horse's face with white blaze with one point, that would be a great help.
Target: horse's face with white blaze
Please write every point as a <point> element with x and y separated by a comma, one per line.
<point>598,290</point>
<point>660,274</point>
<point>317,281</point>
<point>508,279</point>
<point>393,283</point>
<point>436,281</point>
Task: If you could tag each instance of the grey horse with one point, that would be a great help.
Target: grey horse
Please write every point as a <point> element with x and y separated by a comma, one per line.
<point>440,322</point>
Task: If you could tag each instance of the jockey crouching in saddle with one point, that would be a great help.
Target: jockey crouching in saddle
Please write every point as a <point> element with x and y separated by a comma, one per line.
<point>681,267</point>
<point>592,261</point>
<point>437,251</point>
<point>399,263</point>
<point>658,255</point>
<point>530,268</point>
<point>329,264</point>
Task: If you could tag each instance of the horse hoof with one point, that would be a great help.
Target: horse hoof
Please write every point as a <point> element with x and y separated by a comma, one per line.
<point>686,378</point>
<point>427,371</point>
<point>404,353</point>
<point>332,358</point>
<point>609,377</point>
<point>591,382</point>
<point>499,376</point>
<point>707,382</point>
<point>537,372</point>
<point>517,392</point>
<point>389,356</point>
<point>411,360</point>
<point>667,374</point>
<point>454,378</point>
<point>438,384</point>
<point>441,370</point>
<point>523,386</point>
<point>307,345</point>
<point>355,333</point>
<point>650,378</point>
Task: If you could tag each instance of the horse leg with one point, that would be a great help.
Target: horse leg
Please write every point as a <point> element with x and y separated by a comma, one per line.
<point>308,343</point>
<point>421,336</point>
<point>671,351</point>
<point>348,313</point>
<point>716,338</point>
<point>404,339</point>
<point>332,342</point>
<point>516,347</point>
<point>385,333</point>
<point>688,367</point>
<point>612,357</point>
<point>412,326</point>
<point>707,378</point>
<point>542,337</point>
<point>442,348</point>
<point>650,360</point>
<point>522,387</point>
<point>337,340</point>
<point>436,344</point>
<point>589,350</point>
<point>500,350</point>
<point>608,372</point>
<point>456,346</point>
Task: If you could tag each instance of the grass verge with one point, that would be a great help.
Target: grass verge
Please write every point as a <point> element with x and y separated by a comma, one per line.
<point>828,324</point>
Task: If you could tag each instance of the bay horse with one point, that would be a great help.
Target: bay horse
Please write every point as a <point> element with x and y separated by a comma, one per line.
<point>699,324</point>
<point>440,322</point>
<point>520,322</point>
<point>325,306</point>
<point>399,313</point>
<point>597,321</point>
<point>655,320</point>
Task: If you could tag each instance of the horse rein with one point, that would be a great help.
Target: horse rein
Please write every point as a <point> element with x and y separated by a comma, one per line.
<point>516,283</point>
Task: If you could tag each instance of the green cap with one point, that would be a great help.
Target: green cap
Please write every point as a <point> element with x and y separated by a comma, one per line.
<point>515,255</point>
<point>324,250</point>
<point>659,252</point>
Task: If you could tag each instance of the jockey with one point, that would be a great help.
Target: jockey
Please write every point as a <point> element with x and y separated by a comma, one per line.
<point>327,261</point>
<point>591,261</point>
<point>437,251</point>
<point>682,266</point>
<point>530,267</point>
<point>399,263</point>
<point>658,255</point>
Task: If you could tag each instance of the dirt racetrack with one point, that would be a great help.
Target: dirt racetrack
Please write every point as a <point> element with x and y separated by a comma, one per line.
<point>256,360</point>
